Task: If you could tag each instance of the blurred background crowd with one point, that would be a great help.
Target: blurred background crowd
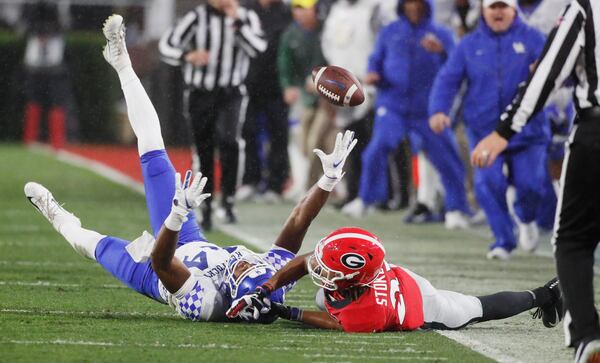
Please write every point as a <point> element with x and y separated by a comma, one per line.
<point>232,81</point>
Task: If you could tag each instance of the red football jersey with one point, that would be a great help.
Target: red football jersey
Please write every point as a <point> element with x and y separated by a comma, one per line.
<point>392,302</point>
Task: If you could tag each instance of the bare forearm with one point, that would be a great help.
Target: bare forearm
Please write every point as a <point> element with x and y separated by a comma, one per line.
<point>320,319</point>
<point>169,269</point>
<point>304,213</point>
<point>164,249</point>
<point>293,271</point>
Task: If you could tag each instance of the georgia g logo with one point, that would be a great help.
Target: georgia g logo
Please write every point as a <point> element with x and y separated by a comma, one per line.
<point>353,261</point>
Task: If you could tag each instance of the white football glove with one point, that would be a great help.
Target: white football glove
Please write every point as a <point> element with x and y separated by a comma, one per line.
<point>187,197</point>
<point>333,164</point>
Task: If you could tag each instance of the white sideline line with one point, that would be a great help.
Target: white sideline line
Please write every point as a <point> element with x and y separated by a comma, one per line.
<point>48,263</point>
<point>55,284</point>
<point>122,179</point>
<point>88,313</point>
<point>120,344</point>
<point>477,346</point>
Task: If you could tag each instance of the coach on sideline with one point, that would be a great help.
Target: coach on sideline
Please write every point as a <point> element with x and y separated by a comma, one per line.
<point>213,43</point>
<point>571,49</point>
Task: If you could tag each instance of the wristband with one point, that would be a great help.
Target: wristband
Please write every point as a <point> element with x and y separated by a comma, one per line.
<point>327,183</point>
<point>174,221</point>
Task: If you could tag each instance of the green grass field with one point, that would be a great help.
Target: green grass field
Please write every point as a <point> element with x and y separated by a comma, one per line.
<point>57,306</point>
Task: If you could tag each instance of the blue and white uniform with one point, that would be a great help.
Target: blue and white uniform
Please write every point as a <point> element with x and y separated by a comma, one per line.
<point>204,296</point>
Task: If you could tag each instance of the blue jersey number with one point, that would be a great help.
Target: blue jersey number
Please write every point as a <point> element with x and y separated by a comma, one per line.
<point>199,261</point>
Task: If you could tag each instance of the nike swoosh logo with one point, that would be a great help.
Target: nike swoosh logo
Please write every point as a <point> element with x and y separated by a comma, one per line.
<point>335,165</point>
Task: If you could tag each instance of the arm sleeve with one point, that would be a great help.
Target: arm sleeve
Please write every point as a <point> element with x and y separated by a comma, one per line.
<point>557,62</point>
<point>447,40</point>
<point>173,44</point>
<point>249,34</point>
<point>447,82</point>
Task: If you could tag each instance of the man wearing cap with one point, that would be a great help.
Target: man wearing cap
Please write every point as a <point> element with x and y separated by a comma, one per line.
<point>494,59</point>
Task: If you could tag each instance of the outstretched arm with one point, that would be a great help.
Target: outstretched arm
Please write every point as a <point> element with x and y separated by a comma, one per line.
<point>169,269</point>
<point>308,208</point>
<point>319,319</point>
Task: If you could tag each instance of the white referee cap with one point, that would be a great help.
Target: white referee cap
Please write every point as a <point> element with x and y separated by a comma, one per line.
<point>511,3</point>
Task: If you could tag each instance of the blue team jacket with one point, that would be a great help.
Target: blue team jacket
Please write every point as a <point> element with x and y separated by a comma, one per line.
<point>407,70</point>
<point>493,65</point>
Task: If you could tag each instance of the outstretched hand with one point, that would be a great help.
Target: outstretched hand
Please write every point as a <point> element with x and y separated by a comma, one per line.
<point>333,164</point>
<point>188,195</point>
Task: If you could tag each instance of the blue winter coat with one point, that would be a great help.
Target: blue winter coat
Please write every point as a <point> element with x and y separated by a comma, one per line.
<point>407,70</point>
<point>493,64</point>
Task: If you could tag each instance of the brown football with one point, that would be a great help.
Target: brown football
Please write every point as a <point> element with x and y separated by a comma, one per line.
<point>338,86</point>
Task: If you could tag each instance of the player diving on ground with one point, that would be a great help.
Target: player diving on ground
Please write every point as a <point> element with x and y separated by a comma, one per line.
<point>177,265</point>
<point>361,292</point>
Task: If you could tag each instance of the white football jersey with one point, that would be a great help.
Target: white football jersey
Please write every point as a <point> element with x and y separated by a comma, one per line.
<point>204,297</point>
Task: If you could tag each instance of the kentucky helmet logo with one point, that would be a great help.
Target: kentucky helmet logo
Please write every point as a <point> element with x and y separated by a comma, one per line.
<point>353,261</point>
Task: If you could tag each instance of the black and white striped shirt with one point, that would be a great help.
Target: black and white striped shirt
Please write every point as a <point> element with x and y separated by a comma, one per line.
<point>230,43</point>
<point>572,49</point>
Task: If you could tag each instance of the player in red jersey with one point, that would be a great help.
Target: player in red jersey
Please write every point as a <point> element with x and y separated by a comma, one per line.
<point>361,292</point>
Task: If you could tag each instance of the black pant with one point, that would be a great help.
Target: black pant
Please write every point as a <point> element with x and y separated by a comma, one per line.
<point>216,118</point>
<point>578,229</point>
<point>271,113</point>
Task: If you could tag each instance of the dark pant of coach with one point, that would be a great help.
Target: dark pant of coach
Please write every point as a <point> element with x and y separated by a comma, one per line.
<point>578,230</point>
<point>217,118</point>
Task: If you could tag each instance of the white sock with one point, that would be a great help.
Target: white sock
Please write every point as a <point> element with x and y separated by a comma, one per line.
<point>142,115</point>
<point>82,240</point>
<point>428,181</point>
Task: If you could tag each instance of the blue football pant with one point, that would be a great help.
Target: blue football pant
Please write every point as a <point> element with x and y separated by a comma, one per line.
<point>159,185</point>
<point>442,151</point>
<point>527,170</point>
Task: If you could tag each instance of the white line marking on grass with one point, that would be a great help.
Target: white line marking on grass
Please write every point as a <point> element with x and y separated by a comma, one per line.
<point>337,356</point>
<point>477,346</point>
<point>54,284</point>
<point>118,344</point>
<point>27,244</point>
<point>48,263</point>
<point>88,313</point>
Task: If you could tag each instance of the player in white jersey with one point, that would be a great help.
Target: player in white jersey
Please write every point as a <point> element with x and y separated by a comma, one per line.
<point>177,265</point>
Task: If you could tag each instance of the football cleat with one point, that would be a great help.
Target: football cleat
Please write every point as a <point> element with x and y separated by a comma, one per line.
<point>498,253</point>
<point>115,50</point>
<point>529,236</point>
<point>456,220</point>
<point>551,313</point>
<point>44,202</point>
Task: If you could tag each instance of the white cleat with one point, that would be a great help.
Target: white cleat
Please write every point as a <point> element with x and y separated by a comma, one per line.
<point>498,253</point>
<point>529,236</point>
<point>456,220</point>
<point>44,202</point>
<point>355,209</point>
<point>115,50</point>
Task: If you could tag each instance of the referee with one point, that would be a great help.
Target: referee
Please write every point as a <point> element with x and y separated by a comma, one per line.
<point>572,49</point>
<point>213,44</point>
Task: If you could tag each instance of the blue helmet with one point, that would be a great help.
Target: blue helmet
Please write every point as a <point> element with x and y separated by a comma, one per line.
<point>254,276</point>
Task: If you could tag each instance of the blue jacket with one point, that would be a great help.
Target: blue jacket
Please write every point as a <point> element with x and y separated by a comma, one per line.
<point>493,66</point>
<point>407,70</point>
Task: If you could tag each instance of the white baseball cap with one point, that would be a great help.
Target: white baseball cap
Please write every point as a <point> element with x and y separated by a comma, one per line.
<point>511,3</point>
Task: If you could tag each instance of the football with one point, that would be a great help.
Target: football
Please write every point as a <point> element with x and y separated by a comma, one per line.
<point>338,86</point>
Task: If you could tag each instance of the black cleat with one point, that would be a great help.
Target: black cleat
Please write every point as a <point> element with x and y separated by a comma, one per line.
<point>551,313</point>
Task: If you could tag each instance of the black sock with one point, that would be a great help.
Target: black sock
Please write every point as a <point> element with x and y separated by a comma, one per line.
<point>505,304</point>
